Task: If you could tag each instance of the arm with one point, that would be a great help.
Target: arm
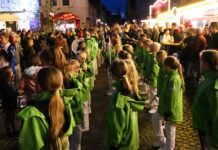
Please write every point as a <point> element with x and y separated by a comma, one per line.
<point>174,110</point>
<point>116,126</point>
<point>33,134</point>
<point>212,98</point>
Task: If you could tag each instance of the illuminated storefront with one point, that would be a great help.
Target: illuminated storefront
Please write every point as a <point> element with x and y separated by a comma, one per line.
<point>19,14</point>
<point>196,13</point>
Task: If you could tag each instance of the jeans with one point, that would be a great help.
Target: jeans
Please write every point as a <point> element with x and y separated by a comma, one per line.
<point>157,125</point>
<point>170,136</point>
<point>76,138</point>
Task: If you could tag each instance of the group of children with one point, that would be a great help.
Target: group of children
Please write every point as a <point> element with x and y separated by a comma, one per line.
<point>59,99</point>
<point>164,87</point>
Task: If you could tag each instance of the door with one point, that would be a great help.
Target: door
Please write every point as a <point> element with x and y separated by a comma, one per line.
<point>12,25</point>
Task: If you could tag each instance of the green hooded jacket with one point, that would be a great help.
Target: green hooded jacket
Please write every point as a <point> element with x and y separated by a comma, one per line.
<point>151,70</point>
<point>35,128</point>
<point>205,107</point>
<point>171,97</point>
<point>123,122</point>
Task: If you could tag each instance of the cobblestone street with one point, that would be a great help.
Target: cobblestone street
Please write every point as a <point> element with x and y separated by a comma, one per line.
<point>95,139</point>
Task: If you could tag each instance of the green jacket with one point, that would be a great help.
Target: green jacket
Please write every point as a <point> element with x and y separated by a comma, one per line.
<point>151,70</point>
<point>138,56</point>
<point>205,107</point>
<point>171,97</point>
<point>92,44</point>
<point>123,122</point>
<point>34,130</point>
<point>160,79</point>
<point>74,97</point>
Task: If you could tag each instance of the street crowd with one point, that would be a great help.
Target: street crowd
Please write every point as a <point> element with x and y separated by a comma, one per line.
<point>46,80</point>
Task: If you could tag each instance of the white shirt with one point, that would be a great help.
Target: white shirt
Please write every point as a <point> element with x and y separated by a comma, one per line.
<point>167,39</point>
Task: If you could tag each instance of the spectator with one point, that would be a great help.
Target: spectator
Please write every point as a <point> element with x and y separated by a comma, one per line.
<point>213,44</point>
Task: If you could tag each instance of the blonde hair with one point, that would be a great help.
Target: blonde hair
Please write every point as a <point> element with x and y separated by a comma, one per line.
<point>162,54</point>
<point>155,47</point>
<point>61,62</point>
<point>51,79</point>
<point>120,70</point>
<point>132,74</point>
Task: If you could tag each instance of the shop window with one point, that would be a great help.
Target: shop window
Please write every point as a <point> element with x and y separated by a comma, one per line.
<point>66,2</point>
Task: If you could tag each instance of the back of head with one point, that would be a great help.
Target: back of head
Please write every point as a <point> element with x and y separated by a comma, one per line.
<point>155,47</point>
<point>59,58</point>
<point>119,68</point>
<point>211,58</point>
<point>161,55</point>
<point>124,55</point>
<point>173,63</point>
<point>128,48</point>
<point>51,79</point>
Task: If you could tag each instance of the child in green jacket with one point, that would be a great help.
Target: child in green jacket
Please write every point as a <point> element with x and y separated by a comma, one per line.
<point>205,106</point>
<point>151,72</point>
<point>171,101</point>
<point>157,120</point>
<point>123,116</point>
<point>49,121</point>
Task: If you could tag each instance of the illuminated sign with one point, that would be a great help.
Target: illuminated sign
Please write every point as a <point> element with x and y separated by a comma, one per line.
<point>158,7</point>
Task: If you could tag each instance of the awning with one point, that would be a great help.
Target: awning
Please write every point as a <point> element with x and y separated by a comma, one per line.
<point>65,16</point>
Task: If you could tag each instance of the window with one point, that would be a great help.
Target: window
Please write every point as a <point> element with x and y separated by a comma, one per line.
<point>66,2</point>
<point>54,2</point>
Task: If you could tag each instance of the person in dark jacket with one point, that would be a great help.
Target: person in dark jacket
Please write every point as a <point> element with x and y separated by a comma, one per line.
<point>200,44</point>
<point>213,44</point>
<point>8,95</point>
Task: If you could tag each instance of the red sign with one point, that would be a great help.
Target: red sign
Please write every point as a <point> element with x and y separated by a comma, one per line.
<point>159,7</point>
<point>65,17</point>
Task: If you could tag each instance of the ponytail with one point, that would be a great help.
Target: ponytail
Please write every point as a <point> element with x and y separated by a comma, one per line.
<point>51,79</point>
<point>56,115</point>
<point>126,85</point>
<point>180,71</point>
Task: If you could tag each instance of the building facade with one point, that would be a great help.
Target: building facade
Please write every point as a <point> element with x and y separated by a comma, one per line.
<point>19,14</point>
<point>84,11</point>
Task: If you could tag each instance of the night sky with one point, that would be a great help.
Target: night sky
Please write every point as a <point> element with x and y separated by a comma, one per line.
<point>113,5</point>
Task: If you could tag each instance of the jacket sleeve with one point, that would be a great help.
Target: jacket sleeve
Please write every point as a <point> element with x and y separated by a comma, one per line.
<point>116,126</point>
<point>32,134</point>
<point>174,109</point>
<point>212,98</point>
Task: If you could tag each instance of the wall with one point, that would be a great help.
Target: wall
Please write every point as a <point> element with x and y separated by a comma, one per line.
<point>80,8</point>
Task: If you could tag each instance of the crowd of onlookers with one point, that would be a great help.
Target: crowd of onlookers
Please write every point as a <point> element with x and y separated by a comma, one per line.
<point>49,77</point>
